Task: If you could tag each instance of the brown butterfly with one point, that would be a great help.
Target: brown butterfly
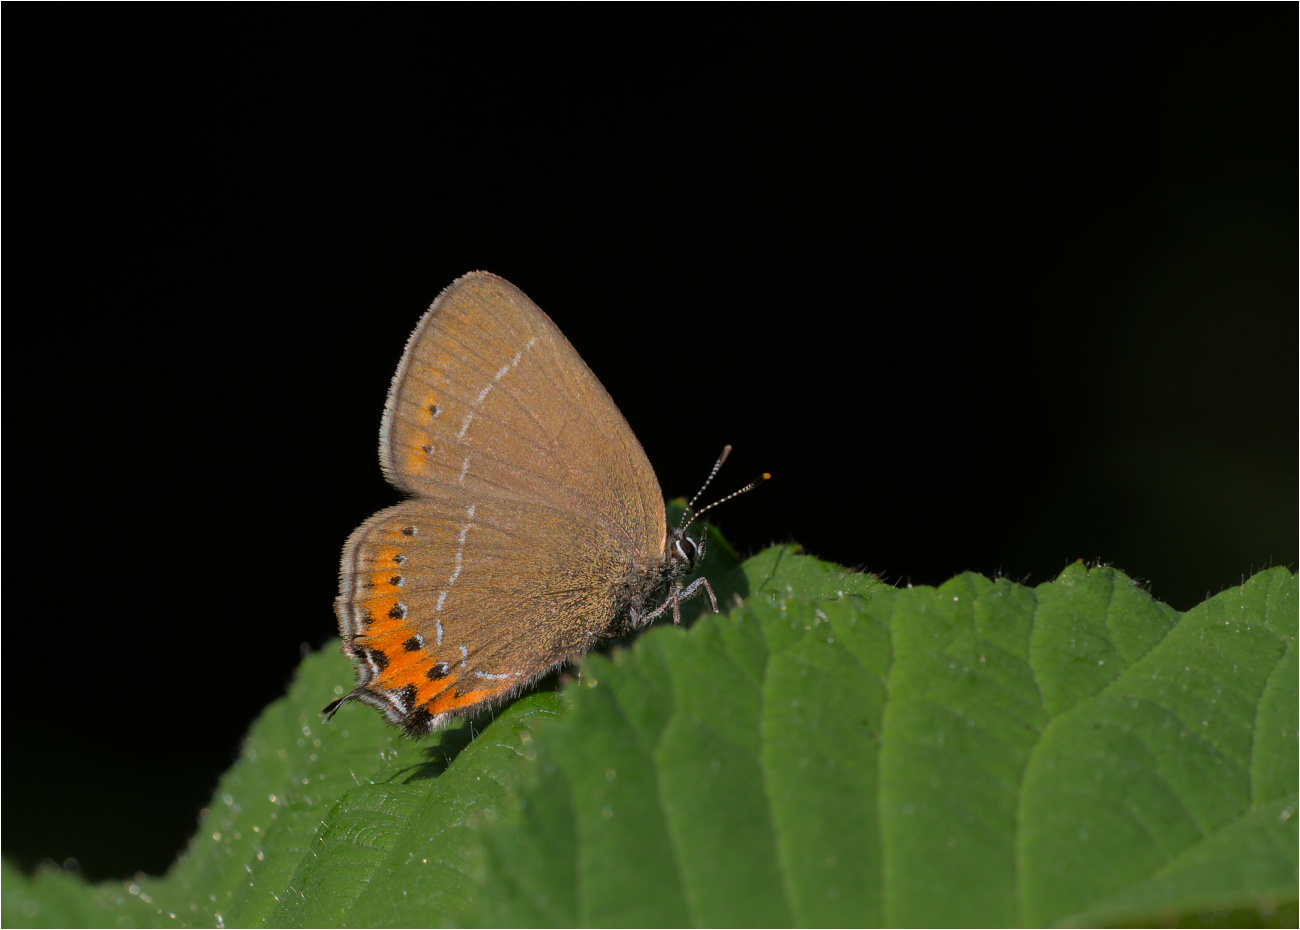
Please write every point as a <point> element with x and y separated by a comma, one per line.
<point>535,525</point>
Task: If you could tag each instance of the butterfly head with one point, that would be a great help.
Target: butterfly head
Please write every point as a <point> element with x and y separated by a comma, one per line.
<point>685,552</point>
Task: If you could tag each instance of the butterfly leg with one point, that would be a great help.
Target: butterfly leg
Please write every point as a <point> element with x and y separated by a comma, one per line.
<point>690,591</point>
<point>679,594</point>
<point>645,619</point>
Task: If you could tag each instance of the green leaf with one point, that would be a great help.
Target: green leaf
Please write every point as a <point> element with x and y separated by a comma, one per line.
<point>983,753</point>
<point>833,751</point>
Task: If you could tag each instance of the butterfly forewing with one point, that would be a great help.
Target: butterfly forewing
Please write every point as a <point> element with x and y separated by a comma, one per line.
<point>490,398</point>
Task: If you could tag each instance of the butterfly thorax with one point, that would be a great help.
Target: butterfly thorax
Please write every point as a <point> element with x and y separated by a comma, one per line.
<point>655,585</point>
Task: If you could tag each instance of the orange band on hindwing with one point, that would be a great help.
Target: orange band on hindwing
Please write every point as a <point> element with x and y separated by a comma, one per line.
<point>383,605</point>
<point>406,661</point>
<point>389,634</point>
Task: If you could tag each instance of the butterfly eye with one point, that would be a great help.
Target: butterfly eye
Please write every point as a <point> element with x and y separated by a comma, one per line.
<point>687,550</point>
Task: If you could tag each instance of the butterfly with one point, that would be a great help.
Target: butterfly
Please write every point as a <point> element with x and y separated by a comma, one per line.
<point>534,527</point>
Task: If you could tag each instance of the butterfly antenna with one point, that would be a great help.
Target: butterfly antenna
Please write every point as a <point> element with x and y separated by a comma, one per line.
<point>726,451</point>
<point>684,523</point>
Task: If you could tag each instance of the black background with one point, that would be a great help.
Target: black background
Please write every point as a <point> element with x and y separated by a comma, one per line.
<point>984,288</point>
